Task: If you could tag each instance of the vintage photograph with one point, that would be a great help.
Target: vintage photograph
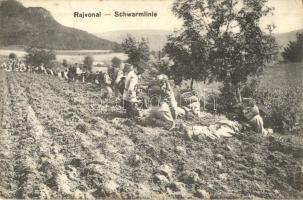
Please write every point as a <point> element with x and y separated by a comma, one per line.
<point>151,99</point>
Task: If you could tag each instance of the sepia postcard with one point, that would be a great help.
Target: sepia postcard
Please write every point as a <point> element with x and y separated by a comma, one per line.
<point>151,99</point>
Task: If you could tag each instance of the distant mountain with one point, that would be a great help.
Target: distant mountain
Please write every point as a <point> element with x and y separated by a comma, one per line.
<point>156,38</point>
<point>21,26</point>
<point>284,38</point>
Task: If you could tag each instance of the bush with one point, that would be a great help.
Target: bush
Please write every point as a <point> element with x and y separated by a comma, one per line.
<point>55,66</point>
<point>163,66</point>
<point>294,51</point>
<point>88,63</point>
<point>284,107</point>
<point>37,57</point>
<point>137,51</point>
<point>116,62</point>
<point>281,108</point>
<point>64,63</point>
<point>12,56</point>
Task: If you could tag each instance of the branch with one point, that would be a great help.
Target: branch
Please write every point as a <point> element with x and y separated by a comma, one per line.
<point>202,9</point>
<point>230,12</point>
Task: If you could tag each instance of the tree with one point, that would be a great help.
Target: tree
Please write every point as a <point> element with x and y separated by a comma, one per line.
<point>294,50</point>
<point>36,56</point>
<point>163,66</point>
<point>64,63</point>
<point>189,53</point>
<point>12,56</point>
<point>221,40</point>
<point>88,63</point>
<point>137,51</point>
<point>116,62</point>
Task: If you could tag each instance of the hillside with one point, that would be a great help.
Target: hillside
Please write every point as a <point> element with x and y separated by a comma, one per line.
<point>156,38</point>
<point>284,38</point>
<point>21,26</point>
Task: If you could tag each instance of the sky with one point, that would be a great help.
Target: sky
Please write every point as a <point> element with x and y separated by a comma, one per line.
<point>288,14</point>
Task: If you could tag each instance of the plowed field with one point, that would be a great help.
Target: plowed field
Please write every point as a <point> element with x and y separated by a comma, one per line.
<point>61,140</point>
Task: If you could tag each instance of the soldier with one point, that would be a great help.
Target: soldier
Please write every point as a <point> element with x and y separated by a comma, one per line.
<point>190,104</point>
<point>65,74</point>
<point>106,81</point>
<point>3,66</point>
<point>78,73</point>
<point>167,113</point>
<point>168,92</point>
<point>129,95</point>
<point>42,69</point>
<point>116,74</point>
<point>252,114</point>
<point>71,73</point>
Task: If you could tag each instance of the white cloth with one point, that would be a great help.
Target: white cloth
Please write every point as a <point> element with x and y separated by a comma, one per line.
<point>107,79</point>
<point>78,71</point>
<point>253,115</point>
<point>131,82</point>
<point>165,114</point>
<point>194,107</point>
<point>257,123</point>
<point>167,89</point>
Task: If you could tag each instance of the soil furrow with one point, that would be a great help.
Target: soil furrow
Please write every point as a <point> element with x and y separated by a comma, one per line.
<point>62,140</point>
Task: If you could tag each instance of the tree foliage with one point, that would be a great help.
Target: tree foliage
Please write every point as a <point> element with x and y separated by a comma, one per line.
<point>64,63</point>
<point>294,50</point>
<point>12,56</point>
<point>220,40</point>
<point>116,62</point>
<point>137,51</point>
<point>36,56</point>
<point>88,63</point>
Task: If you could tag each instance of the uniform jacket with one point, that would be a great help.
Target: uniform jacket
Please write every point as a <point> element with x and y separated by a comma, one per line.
<point>251,112</point>
<point>118,76</point>
<point>131,82</point>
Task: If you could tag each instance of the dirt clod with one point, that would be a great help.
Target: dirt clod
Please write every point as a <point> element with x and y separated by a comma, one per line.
<point>166,171</point>
<point>202,194</point>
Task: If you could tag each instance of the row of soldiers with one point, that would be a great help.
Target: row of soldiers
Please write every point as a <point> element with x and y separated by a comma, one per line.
<point>70,73</point>
<point>169,109</point>
<point>14,65</point>
<point>122,79</point>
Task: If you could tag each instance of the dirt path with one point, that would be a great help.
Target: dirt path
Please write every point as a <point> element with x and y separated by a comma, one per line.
<point>61,140</point>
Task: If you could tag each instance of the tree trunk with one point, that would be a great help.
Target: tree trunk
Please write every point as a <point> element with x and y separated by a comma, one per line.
<point>238,94</point>
<point>191,84</point>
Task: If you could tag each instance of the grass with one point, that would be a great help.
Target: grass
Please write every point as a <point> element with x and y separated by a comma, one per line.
<point>282,75</point>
